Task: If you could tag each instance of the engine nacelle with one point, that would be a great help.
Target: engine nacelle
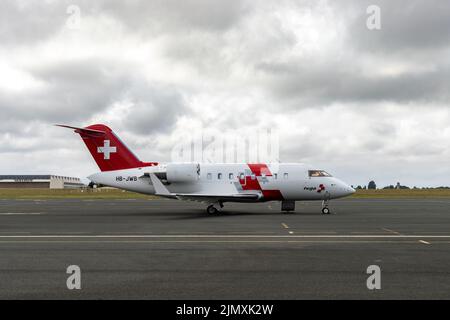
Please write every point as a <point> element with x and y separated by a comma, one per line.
<point>182,172</point>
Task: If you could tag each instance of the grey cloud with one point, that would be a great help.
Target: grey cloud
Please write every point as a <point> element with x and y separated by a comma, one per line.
<point>153,108</point>
<point>329,83</point>
<point>163,16</point>
<point>74,91</point>
<point>71,91</point>
<point>26,22</point>
<point>405,25</point>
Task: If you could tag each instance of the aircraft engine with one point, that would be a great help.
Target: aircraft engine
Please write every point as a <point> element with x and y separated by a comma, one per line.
<point>182,172</point>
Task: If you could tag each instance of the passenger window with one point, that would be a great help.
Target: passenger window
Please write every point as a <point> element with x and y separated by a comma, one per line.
<point>275,176</point>
<point>241,176</point>
<point>230,176</point>
<point>219,176</point>
<point>253,176</point>
<point>286,175</point>
<point>209,176</point>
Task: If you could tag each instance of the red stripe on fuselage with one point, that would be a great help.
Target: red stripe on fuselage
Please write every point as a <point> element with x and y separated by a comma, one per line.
<point>272,195</point>
<point>258,170</point>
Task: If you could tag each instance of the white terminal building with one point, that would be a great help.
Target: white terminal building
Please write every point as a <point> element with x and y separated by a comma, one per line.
<point>40,181</point>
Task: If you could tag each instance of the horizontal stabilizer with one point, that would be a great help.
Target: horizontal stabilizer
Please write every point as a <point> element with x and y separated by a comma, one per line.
<point>83,130</point>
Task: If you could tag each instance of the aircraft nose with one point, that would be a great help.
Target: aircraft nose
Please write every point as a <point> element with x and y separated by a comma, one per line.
<point>345,189</point>
<point>351,190</point>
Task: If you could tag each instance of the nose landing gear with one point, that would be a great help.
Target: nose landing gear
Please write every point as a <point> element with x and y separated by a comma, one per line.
<point>325,209</point>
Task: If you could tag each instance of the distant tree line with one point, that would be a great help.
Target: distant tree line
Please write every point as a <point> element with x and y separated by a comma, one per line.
<point>373,186</point>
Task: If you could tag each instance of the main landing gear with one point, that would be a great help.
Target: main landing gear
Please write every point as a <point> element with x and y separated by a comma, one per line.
<point>212,208</point>
<point>287,206</point>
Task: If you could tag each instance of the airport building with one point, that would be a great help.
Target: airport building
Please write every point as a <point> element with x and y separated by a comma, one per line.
<point>39,181</point>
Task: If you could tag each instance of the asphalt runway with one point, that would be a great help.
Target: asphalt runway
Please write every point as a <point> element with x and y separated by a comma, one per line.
<point>164,249</point>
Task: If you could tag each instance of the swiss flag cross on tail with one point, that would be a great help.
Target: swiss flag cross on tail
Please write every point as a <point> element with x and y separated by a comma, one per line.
<point>107,149</point>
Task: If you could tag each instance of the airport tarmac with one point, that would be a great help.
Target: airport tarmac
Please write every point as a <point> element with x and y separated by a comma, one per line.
<point>165,249</point>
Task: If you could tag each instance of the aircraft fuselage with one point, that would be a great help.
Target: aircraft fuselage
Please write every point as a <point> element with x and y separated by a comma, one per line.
<point>281,181</point>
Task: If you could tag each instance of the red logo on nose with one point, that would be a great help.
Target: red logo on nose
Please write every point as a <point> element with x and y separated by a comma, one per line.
<point>321,188</point>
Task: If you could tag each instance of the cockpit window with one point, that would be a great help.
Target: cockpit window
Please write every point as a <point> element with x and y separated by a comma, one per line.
<point>318,173</point>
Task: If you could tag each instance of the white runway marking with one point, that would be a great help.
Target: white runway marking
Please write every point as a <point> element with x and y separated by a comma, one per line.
<point>324,236</point>
<point>213,241</point>
<point>391,231</point>
<point>20,213</point>
<point>203,239</point>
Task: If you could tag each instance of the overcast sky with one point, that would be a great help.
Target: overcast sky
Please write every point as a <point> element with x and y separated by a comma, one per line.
<point>362,104</point>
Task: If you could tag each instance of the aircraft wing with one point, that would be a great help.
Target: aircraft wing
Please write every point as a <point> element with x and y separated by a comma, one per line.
<point>218,197</point>
<point>161,190</point>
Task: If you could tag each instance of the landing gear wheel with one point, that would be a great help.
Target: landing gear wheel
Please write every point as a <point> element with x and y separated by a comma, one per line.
<point>325,210</point>
<point>212,210</point>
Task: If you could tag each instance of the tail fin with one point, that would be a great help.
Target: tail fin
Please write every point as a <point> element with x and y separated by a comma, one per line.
<point>107,149</point>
